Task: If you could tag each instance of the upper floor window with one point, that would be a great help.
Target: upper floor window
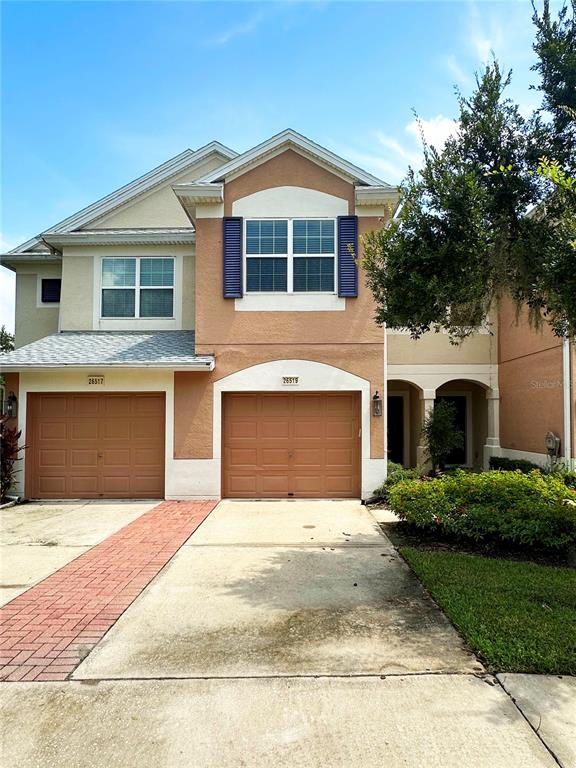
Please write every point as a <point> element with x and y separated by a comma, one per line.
<point>50,290</point>
<point>137,287</point>
<point>290,255</point>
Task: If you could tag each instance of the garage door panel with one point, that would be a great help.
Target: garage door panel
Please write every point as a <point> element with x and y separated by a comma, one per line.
<point>52,430</point>
<point>243,428</point>
<point>52,457</point>
<point>84,406</point>
<point>84,429</point>
<point>95,445</point>
<point>275,429</point>
<point>304,445</point>
<point>79,457</point>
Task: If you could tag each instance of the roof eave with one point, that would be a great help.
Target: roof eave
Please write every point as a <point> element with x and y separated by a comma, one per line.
<point>60,240</point>
<point>289,138</point>
<point>202,364</point>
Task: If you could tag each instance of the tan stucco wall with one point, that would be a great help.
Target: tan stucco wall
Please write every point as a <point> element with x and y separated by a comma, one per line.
<point>287,169</point>
<point>433,348</point>
<point>530,382</point>
<point>159,207</point>
<point>193,394</point>
<point>32,321</point>
<point>77,301</point>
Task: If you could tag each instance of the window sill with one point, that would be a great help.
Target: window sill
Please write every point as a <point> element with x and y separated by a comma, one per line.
<point>137,324</point>
<point>290,302</point>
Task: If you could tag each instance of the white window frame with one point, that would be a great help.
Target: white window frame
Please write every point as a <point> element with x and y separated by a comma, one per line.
<point>137,288</point>
<point>290,256</point>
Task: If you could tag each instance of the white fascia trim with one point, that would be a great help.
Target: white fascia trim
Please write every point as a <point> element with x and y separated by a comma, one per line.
<point>137,187</point>
<point>8,259</point>
<point>289,138</point>
<point>203,364</point>
<point>376,195</point>
<point>200,193</point>
<point>119,238</point>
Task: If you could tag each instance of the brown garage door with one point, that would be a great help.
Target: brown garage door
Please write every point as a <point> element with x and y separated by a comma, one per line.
<point>95,446</point>
<point>291,445</point>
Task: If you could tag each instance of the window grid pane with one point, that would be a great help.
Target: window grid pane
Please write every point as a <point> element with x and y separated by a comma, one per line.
<point>157,272</point>
<point>266,274</point>
<point>313,236</point>
<point>156,302</point>
<point>267,236</point>
<point>118,302</point>
<point>313,274</point>
<point>118,273</point>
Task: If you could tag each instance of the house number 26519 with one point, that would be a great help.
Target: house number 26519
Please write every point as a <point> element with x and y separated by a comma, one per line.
<point>289,380</point>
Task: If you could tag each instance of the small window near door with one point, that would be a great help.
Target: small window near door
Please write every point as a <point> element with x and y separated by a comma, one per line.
<point>50,290</point>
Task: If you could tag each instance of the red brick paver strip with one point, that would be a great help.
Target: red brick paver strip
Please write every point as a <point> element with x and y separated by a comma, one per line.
<point>48,630</point>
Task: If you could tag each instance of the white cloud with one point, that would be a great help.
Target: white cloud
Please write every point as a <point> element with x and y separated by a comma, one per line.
<point>238,30</point>
<point>436,130</point>
<point>456,70</point>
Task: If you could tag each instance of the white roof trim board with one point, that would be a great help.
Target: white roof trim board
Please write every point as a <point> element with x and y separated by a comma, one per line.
<point>376,195</point>
<point>172,236</point>
<point>142,184</point>
<point>289,138</point>
<point>174,350</point>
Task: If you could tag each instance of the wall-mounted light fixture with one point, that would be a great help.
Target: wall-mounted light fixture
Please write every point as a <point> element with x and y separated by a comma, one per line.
<point>376,404</point>
<point>12,406</point>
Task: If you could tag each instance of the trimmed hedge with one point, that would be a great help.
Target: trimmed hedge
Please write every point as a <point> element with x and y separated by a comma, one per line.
<point>396,474</point>
<point>532,510</point>
<point>511,465</point>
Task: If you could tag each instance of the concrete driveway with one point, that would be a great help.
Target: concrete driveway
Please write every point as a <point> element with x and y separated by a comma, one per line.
<point>285,588</point>
<point>38,539</point>
<point>281,632</point>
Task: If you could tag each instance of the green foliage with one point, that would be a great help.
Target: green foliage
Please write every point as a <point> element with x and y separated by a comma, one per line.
<point>9,449</point>
<point>462,238</point>
<point>518,617</point>
<point>6,340</point>
<point>441,434</point>
<point>501,462</point>
<point>396,474</point>
<point>509,508</point>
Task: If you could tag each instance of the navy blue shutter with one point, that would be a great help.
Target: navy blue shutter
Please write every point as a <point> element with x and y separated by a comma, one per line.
<point>347,267</point>
<point>232,260</point>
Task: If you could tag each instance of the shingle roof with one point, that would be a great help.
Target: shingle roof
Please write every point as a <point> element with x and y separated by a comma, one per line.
<point>109,348</point>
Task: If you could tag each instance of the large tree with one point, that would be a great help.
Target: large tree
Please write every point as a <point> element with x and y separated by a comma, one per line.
<point>484,218</point>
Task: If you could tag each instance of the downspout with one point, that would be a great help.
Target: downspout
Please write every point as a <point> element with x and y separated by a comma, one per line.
<point>567,393</point>
<point>385,404</point>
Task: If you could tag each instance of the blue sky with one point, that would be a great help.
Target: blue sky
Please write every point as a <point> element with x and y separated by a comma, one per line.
<point>97,93</point>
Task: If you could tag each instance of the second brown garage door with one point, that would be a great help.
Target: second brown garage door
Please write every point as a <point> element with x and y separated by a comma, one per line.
<point>291,445</point>
<point>84,445</point>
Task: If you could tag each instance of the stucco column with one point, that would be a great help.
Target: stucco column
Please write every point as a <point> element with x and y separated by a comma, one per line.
<point>492,445</point>
<point>427,398</point>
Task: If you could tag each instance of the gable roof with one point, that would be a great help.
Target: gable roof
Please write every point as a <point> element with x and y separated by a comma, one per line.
<point>142,184</point>
<point>292,139</point>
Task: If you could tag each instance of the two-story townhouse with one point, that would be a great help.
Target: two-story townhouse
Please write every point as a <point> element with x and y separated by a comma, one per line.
<point>206,331</point>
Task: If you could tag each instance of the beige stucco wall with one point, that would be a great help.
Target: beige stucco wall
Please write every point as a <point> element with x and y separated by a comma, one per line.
<point>158,207</point>
<point>77,299</point>
<point>79,274</point>
<point>32,321</point>
<point>436,348</point>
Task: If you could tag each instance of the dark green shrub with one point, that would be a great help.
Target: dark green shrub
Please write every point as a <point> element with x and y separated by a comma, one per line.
<point>396,474</point>
<point>511,465</point>
<point>441,435</point>
<point>512,508</point>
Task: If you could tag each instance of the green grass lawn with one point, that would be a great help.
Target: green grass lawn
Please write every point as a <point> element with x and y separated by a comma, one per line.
<point>517,616</point>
